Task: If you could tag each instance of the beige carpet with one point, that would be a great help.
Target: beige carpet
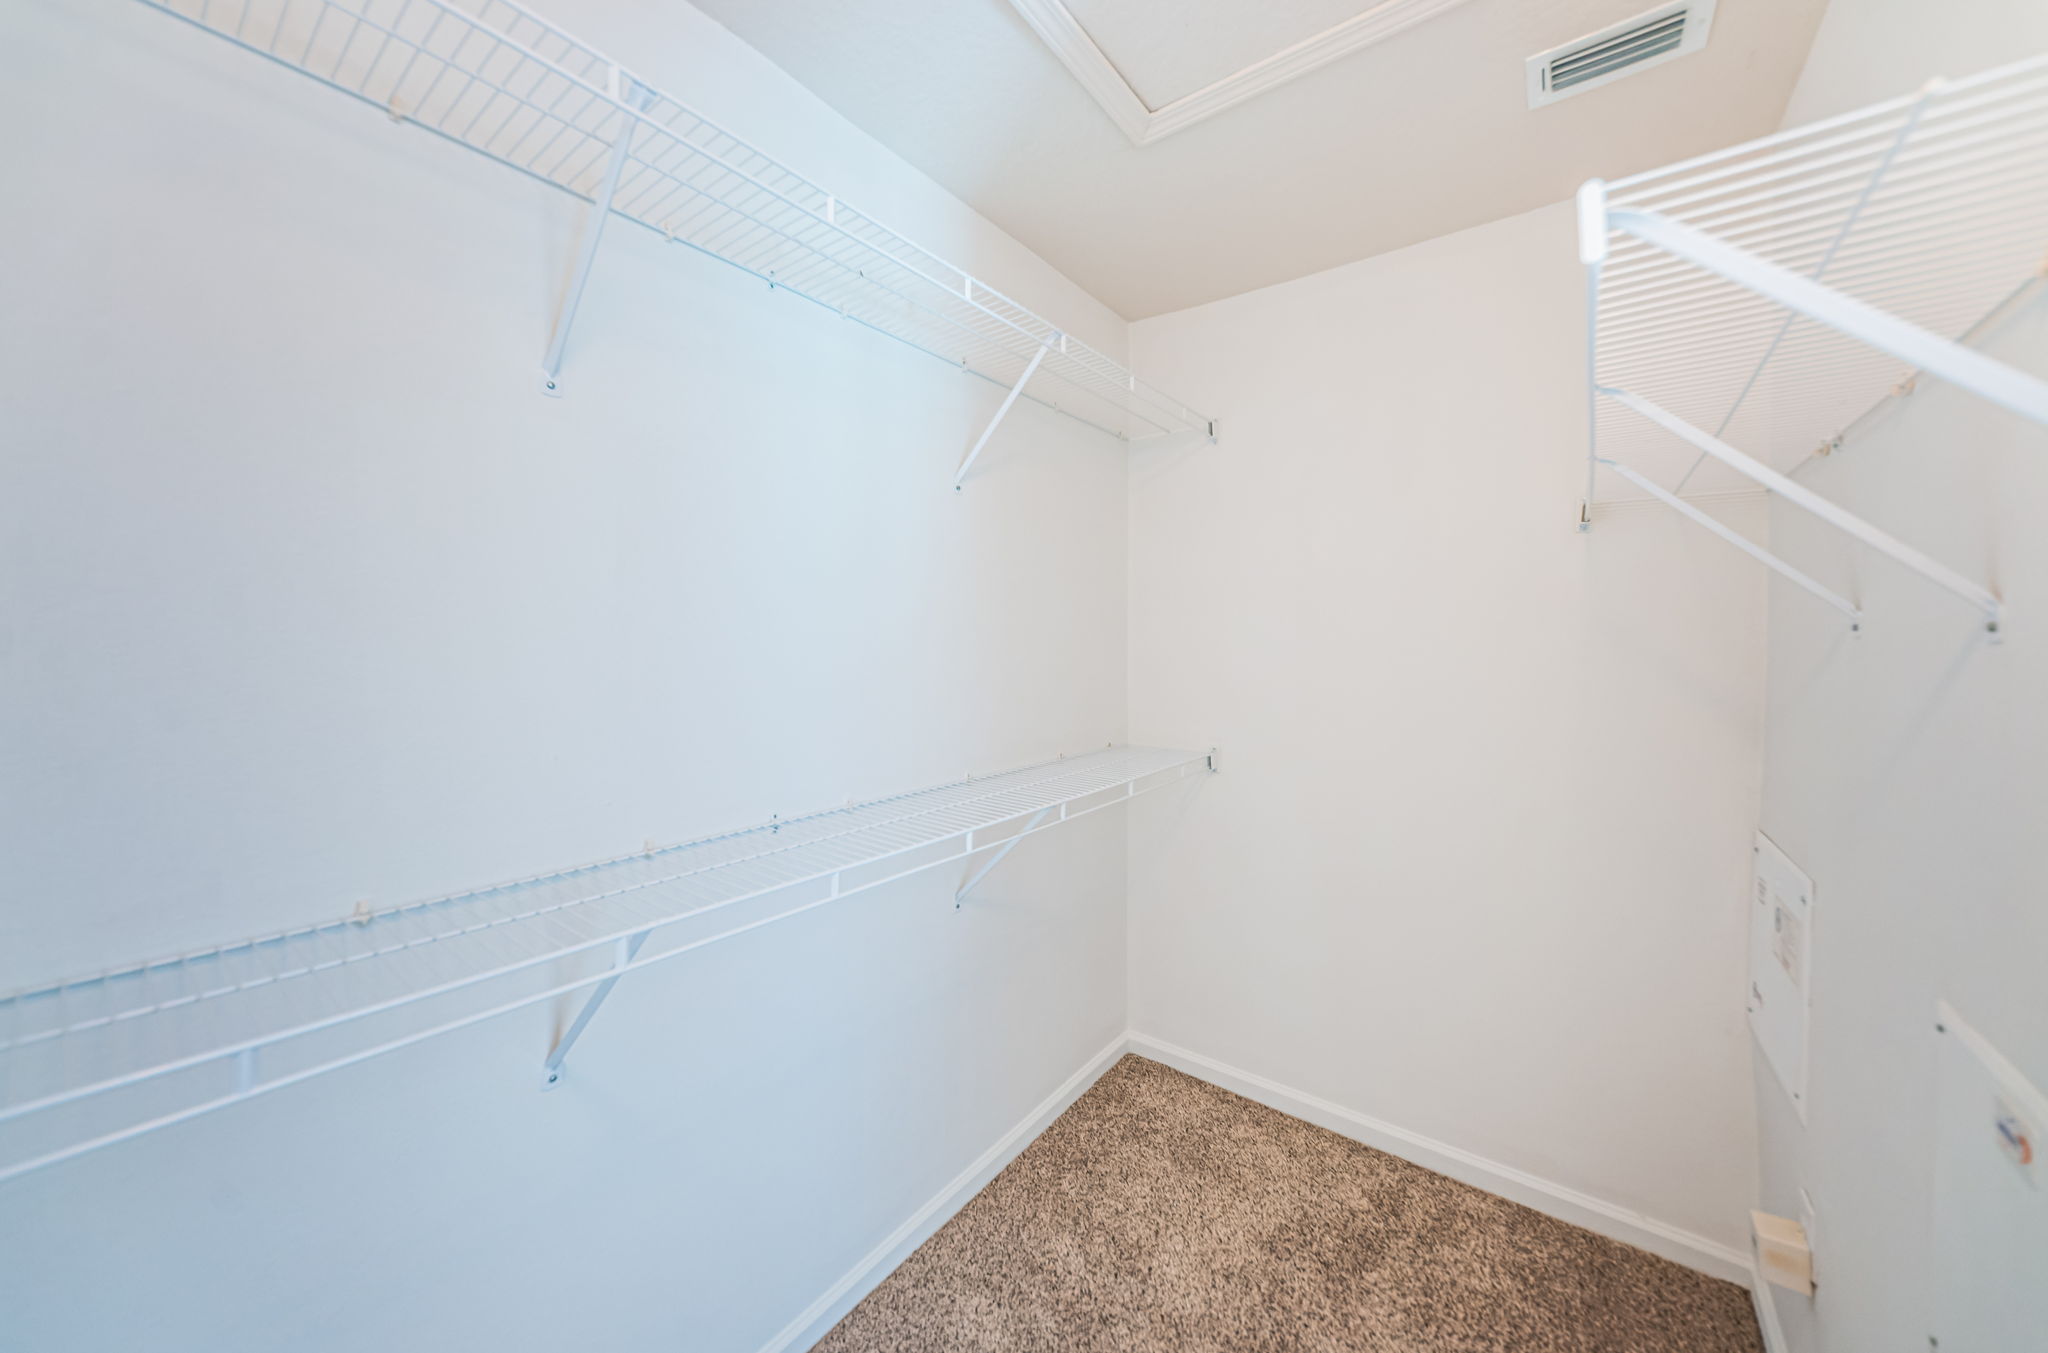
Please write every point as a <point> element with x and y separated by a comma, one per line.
<point>1163,1215</point>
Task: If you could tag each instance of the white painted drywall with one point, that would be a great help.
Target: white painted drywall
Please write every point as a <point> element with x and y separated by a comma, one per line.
<point>1908,771</point>
<point>1475,863</point>
<point>309,597</point>
<point>1867,50</point>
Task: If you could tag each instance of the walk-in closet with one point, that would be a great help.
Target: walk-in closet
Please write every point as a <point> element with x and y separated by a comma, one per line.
<point>1024,676</point>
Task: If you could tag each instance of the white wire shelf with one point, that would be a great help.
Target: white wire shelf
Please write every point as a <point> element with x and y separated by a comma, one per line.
<point>1769,296</point>
<point>91,1062</point>
<point>492,76</point>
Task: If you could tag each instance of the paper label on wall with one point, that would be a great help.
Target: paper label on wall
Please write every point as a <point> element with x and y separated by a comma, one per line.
<point>1788,944</point>
<point>1781,966</point>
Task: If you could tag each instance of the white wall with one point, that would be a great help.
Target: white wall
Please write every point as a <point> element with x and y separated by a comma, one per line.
<point>1907,771</point>
<point>310,598</point>
<point>1868,50</point>
<point>1475,863</point>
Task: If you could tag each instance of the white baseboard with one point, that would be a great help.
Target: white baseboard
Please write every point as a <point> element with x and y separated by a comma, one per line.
<point>1556,1200</point>
<point>1767,1313</point>
<point>1568,1205</point>
<point>827,1311</point>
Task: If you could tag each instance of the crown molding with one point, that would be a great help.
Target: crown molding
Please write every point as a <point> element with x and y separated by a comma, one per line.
<point>1056,25</point>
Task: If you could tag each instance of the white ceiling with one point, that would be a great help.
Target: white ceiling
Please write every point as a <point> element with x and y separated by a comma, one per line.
<point>1422,133</point>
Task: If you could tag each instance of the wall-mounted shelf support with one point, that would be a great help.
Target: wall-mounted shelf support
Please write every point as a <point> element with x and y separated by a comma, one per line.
<point>1706,308</point>
<point>1002,411</point>
<point>989,865</point>
<point>629,94</point>
<point>627,949</point>
<point>1737,539</point>
<point>1795,492</point>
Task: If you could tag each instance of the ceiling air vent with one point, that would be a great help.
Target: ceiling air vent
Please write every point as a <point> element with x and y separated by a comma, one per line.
<point>1665,33</point>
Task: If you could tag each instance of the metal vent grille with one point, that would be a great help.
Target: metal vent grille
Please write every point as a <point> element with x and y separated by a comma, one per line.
<point>1663,34</point>
<point>1611,54</point>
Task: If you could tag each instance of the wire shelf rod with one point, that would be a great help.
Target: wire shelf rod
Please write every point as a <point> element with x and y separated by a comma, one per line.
<point>1940,135</point>
<point>495,78</point>
<point>1726,308</point>
<point>1817,344</point>
<point>1990,191</point>
<point>1996,243</point>
<point>429,973</point>
<point>571,886</point>
<point>1000,805</point>
<point>1982,175</point>
<point>2023,394</point>
<point>1896,285</point>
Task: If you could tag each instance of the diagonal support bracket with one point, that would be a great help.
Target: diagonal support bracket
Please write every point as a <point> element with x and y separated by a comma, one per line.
<point>1798,494</point>
<point>1739,541</point>
<point>631,97</point>
<point>551,1070</point>
<point>997,858</point>
<point>1002,412</point>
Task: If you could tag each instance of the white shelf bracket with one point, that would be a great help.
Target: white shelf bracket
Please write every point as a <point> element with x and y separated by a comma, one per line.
<point>997,858</point>
<point>1720,280</point>
<point>1002,411</point>
<point>1794,491</point>
<point>631,97</point>
<point>551,1070</point>
<point>1739,541</point>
